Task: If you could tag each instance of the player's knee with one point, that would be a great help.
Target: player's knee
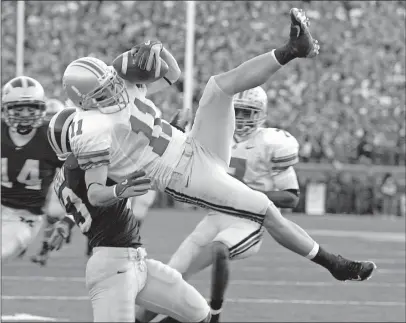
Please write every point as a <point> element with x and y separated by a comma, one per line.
<point>220,251</point>
<point>196,309</point>
<point>273,217</point>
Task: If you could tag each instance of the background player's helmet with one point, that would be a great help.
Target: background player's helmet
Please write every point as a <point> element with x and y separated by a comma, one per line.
<point>90,84</point>
<point>53,106</point>
<point>58,132</point>
<point>250,110</point>
<point>23,104</point>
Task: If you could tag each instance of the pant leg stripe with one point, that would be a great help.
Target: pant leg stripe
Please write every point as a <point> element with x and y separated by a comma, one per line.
<point>255,242</point>
<point>258,218</point>
<point>245,240</point>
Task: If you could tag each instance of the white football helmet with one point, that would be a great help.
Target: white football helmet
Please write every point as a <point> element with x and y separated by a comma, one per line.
<point>250,110</point>
<point>90,84</point>
<point>23,104</point>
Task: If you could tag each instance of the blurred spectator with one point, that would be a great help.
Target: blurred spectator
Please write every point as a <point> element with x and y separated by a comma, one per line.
<point>345,198</point>
<point>348,104</point>
<point>364,194</point>
<point>389,191</point>
<point>365,148</point>
<point>306,148</point>
<point>333,191</point>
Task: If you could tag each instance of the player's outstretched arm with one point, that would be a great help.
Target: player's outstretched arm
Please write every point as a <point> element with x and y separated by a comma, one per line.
<point>170,77</point>
<point>101,195</point>
<point>258,70</point>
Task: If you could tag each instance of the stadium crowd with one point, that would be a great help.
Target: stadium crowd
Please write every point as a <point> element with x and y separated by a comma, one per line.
<point>346,106</point>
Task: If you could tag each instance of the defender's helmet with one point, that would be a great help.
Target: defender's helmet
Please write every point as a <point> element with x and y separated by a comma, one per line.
<point>90,84</point>
<point>58,132</point>
<point>250,110</point>
<point>23,104</point>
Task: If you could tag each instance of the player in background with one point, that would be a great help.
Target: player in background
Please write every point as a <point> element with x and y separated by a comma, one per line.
<point>28,164</point>
<point>118,274</point>
<point>262,158</point>
<point>53,210</point>
<point>115,133</point>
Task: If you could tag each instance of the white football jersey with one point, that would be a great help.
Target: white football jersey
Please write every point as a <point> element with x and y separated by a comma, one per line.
<point>263,161</point>
<point>132,139</point>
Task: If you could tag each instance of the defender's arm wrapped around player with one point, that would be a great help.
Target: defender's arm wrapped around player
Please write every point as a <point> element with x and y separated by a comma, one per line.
<point>101,195</point>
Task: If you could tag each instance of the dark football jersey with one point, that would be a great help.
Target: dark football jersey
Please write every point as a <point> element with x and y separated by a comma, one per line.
<point>27,171</point>
<point>109,226</point>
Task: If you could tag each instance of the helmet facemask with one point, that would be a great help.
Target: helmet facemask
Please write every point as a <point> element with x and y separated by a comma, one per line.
<point>110,97</point>
<point>247,119</point>
<point>24,116</point>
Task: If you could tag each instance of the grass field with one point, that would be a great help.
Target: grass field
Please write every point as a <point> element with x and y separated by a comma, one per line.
<point>275,285</point>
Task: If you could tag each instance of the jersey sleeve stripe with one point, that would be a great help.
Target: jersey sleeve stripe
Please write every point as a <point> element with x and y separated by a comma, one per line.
<point>94,159</point>
<point>93,154</point>
<point>284,158</point>
<point>285,162</point>
<point>93,164</point>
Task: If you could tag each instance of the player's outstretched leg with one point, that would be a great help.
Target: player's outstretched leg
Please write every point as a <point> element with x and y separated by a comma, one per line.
<point>217,254</point>
<point>219,278</point>
<point>294,238</point>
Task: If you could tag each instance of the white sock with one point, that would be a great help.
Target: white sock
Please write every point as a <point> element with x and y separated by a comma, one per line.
<point>215,312</point>
<point>314,251</point>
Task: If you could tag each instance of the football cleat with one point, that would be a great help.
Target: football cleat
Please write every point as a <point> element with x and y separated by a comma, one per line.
<point>301,42</point>
<point>346,270</point>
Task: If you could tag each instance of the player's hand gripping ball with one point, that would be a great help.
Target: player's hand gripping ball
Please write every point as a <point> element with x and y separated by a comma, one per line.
<point>142,64</point>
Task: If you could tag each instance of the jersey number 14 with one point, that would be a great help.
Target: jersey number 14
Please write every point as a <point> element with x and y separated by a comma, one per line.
<point>29,174</point>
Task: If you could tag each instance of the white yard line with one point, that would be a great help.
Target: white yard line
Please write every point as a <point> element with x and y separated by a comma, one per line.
<point>21,317</point>
<point>236,282</point>
<point>230,300</point>
<point>366,235</point>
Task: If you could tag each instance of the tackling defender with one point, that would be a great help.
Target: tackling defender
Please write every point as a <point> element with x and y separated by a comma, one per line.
<point>117,133</point>
<point>28,165</point>
<point>118,274</point>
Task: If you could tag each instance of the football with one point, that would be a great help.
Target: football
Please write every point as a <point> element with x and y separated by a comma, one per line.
<point>127,68</point>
